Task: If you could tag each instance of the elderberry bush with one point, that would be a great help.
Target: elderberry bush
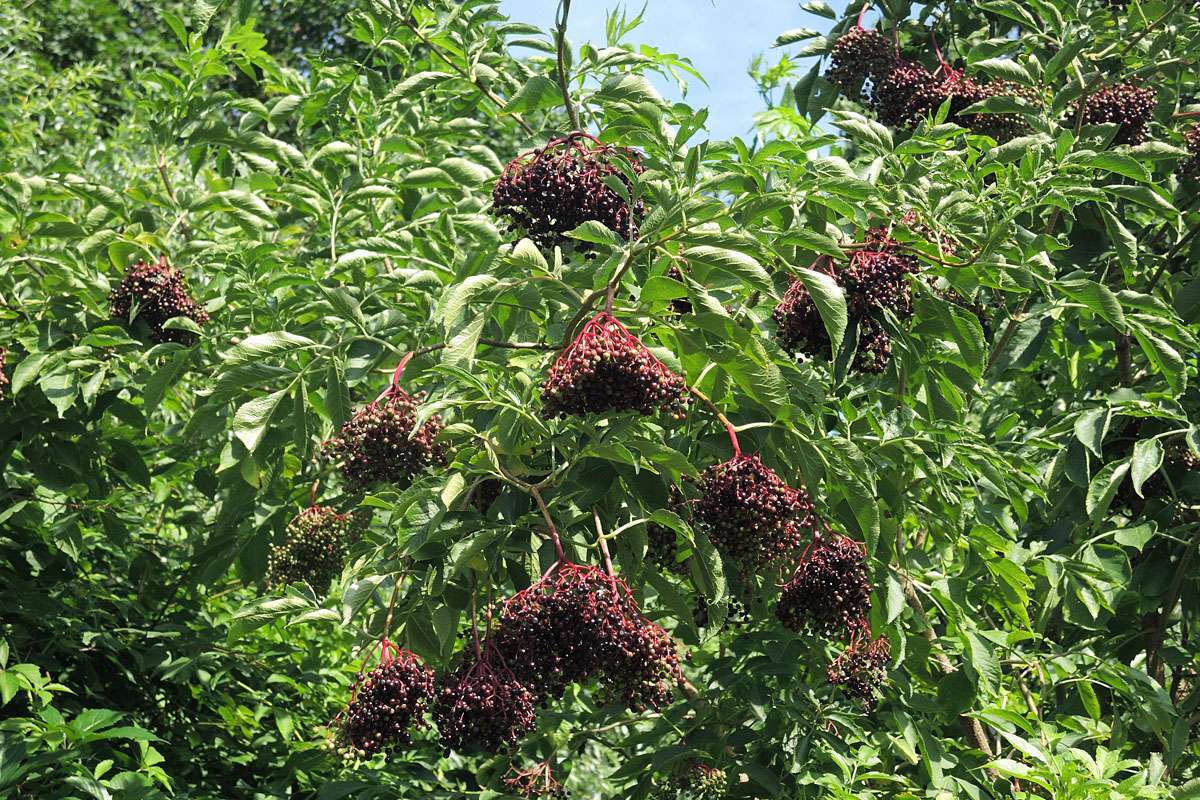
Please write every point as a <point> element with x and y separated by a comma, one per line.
<point>553,190</point>
<point>313,551</point>
<point>154,294</point>
<point>386,706</point>
<point>379,445</point>
<point>829,592</point>
<point>1128,106</point>
<point>607,369</point>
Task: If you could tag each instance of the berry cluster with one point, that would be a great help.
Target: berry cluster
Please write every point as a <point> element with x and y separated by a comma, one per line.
<point>385,705</point>
<point>861,669</point>
<point>874,279</point>
<point>580,623</point>
<point>479,707</point>
<point>859,56</point>
<point>536,781</point>
<point>607,368</point>
<point>156,293</point>
<point>485,493</point>
<point>313,551</point>
<point>750,514</point>
<point>698,781</point>
<point>662,549</point>
<point>908,93</point>
<point>829,592</point>
<point>1189,168</point>
<point>379,444</point>
<point>1126,105</point>
<point>551,191</point>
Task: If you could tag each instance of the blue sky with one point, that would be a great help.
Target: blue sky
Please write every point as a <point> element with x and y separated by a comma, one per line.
<point>719,36</point>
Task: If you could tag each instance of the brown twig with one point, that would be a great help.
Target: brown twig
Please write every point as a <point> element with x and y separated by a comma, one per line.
<point>1159,631</point>
<point>541,504</point>
<point>729,428</point>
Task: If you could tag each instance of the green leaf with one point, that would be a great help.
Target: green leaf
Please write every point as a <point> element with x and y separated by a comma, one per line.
<point>416,84</point>
<point>1103,487</point>
<point>1147,458</point>
<point>830,301</point>
<point>795,35</point>
<point>1091,427</point>
<point>264,610</point>
<point>537,93</point>
<point>743,267</point>
<point>1097,297</point>
<point>597,232</point>
<point>1004,69</point>
<point>250,421</point>
<point>337,393</point>
<point>265,345</point>
<point>629,87</point>
<point>460,350</point>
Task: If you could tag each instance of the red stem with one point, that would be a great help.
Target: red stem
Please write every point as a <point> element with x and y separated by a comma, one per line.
<point>938,51</point>
<point>394,387</point>
<point>862,13</point>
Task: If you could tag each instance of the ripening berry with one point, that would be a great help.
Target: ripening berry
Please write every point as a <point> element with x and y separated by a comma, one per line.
<point>829,592</point>
<point>750,514</point>
<point>551,191</point>
<point>858,56</point>
<point>698,781</point>
<point>1126,105</point>
<point>606,369</point>
<point>481,708</point>
<point>906,94</point>
<point>378,444</point>
<point>579,624</point>
<point>156,293</point>
<point>385,706</point>
<point>909,93</point>
<point>314,550</point>
<point>1189,168</point>
<point>861,669</point>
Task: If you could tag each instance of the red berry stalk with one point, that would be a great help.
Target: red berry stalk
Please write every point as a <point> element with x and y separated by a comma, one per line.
<point>606,368</point>
<point>385,706</point>
<point>537,781</point>
<point>548,192</point>
<point>381,442</point>
<point>156,293</point>
<point>482,707</point>
<point>829,592</point>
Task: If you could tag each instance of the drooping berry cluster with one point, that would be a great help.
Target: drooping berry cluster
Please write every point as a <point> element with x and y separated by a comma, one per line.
<point>857,57</point>
<point>579,623</point>
<point>829,592</point>
<point>908,93</point>
<point>548,192</point>
<point>861,669</point>
<point>1126,105</point>
<point>385,706</point>
<point>1189,168</point>
<point>313,551</point>
<point>156,293</point>
<point>536,781</point>
<point>874,279</point>
<point>483,707</point>
<point>698,781</point>
<point>379,445</point>
<point>750,514</point>
<point>607,368</point>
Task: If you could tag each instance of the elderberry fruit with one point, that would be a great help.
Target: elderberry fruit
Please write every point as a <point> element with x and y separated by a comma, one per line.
<point>829,591</point>
<point>156,293</point>
<point>1126,105</point>
<point>481,708</point>
<point>553,190</point>
<point>662,550</point>
<point>750,514</point>
<point>314,550</point>
<point>484,494</point>
<point>858,56</point>
<point>379,445</point>
<point>1189,168</point>
<point>799,326</point>
<point>607,368</point>
<point>861,669</point>
<point>698,781</point>
<point>537,781</point>
<point>906,94</point>
<point>385,706</point>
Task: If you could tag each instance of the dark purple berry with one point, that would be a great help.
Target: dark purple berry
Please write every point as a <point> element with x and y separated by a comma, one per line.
<point>829,592</point>
<point>385,706</point>
<point>156,293</point>
<point>378,444</point>
<point>859,56</point>
<point>861,669</point>
<point>1126,105</point>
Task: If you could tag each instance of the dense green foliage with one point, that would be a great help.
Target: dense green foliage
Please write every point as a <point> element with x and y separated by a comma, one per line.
<point>1019,467</point>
